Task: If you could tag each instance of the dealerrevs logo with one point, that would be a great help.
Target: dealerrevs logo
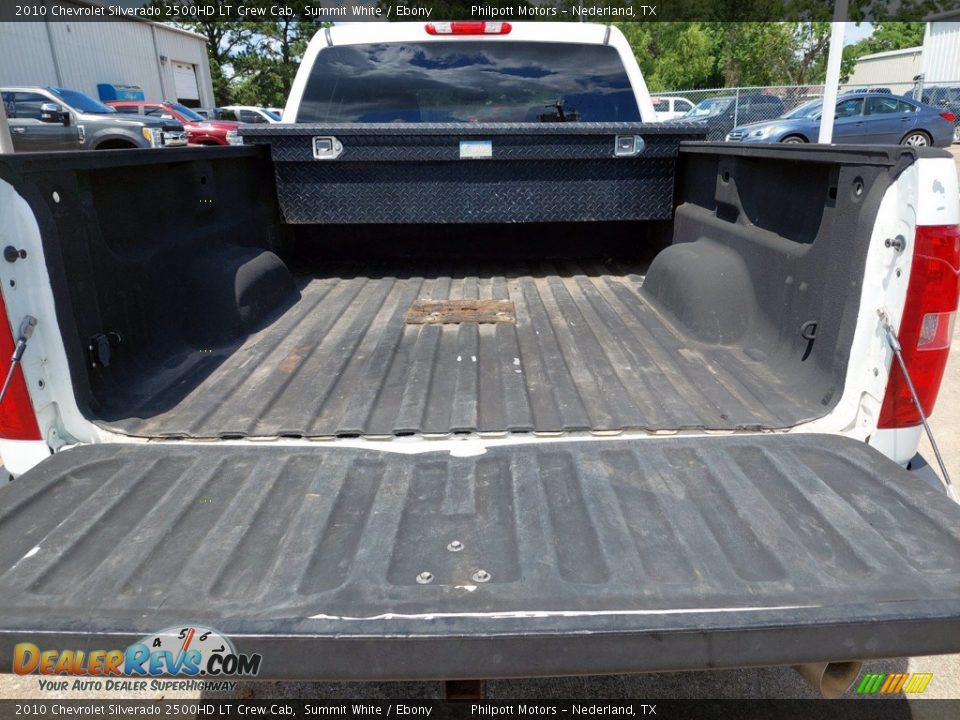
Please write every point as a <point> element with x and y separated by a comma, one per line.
<point>177,651</point>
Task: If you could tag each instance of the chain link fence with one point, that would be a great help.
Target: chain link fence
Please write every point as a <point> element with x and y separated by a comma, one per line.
<point>726,108</point>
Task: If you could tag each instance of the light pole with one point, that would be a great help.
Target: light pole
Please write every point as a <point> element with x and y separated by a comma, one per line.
<point>829,111</point>
<point>6,142</point>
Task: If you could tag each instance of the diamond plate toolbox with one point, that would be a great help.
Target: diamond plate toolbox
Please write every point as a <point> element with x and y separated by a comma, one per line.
<point>474,173</point>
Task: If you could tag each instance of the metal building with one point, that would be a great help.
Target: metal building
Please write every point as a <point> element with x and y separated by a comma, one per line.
<point>166,62</point>
<point>887,69</point>
<point>941,48</point>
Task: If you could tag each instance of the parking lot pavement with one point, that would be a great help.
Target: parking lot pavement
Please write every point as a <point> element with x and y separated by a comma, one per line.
<point>745,683</point>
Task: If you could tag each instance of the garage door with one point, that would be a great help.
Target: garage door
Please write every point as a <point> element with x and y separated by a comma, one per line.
<point>185,82</point>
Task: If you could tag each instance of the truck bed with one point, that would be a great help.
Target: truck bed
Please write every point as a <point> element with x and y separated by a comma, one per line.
<point>587,353</point>
<point>222,320</point>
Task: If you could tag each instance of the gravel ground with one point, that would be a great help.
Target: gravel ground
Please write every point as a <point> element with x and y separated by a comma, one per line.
<point>772,682</point>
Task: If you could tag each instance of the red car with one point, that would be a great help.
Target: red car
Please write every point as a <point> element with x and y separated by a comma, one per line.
<point>200,130</point>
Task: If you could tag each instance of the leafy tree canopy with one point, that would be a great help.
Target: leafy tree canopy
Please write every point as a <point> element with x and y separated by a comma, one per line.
<point>693,55</point>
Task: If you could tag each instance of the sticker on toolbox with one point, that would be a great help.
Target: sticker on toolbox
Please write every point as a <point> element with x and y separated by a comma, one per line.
<point>476,149</point>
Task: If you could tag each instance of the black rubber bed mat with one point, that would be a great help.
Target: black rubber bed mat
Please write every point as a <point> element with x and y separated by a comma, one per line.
<point>610,555</point>
<point>587,353</point>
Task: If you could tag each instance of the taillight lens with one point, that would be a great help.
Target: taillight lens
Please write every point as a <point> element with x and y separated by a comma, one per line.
<point>469,28</point>
<point>927,325</point>
<point>17,419</point>
<point>948,116</point>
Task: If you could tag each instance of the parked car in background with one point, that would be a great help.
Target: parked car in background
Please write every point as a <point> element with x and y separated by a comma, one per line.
<point>861,118</point>
<point>51,118</point>
<point>671,108</point>
<point>200,130</point>
<point>944,98</point>
<point>721,114</point>
<point>276,111</point>
<point>247,114</point>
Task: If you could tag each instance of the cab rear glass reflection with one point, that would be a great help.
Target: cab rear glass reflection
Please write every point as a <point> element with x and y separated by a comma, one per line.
<point>475,81</point>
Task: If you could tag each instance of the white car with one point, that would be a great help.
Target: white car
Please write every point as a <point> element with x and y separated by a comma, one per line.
<point>670,108</point>
<point>249,114</point>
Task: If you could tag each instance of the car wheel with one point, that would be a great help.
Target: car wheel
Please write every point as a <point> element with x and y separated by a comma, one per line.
<point>793,140</point>
<point>917,139</point>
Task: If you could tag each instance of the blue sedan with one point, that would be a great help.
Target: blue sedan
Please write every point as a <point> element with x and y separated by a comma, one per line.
<point>862,118</point>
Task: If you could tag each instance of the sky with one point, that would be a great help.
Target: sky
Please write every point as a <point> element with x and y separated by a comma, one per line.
<point>854,32</point>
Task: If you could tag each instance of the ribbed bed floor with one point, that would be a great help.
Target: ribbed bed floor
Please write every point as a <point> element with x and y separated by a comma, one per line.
<point>587,352</point>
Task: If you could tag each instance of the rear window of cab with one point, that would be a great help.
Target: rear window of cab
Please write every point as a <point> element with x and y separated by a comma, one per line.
<point>479,81</point>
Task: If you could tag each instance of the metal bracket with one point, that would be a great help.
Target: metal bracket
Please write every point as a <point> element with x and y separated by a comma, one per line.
<point>326,147</point>
<point>899,243</point>
<point>100,348</point>
<point>628,145</point>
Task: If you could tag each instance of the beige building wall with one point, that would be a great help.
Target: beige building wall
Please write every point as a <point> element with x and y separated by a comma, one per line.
<point>895,69</point>
<point>79,55</point>
<point>941,53</point>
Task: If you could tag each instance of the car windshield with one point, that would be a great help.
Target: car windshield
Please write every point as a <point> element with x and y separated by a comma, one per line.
<point>475,81</point>
<point>713,106</point>
<point>807,111</point>
<point>83,103</point>
<point>271,115</point>
<point>187,112</point>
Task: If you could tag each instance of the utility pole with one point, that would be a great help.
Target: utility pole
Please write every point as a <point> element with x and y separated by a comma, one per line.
<point>837,28</point>
<point>6,142</point>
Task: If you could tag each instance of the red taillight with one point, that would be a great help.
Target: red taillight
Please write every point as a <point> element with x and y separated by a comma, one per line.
<point>469,28</point>
<point>17,420</point>
<point>926,326</point>
<point>948,116</point>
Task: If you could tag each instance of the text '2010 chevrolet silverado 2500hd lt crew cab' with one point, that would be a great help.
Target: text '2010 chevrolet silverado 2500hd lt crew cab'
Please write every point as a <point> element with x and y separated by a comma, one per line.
<point>472,370</point>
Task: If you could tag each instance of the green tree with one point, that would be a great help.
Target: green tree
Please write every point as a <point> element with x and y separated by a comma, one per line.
<point>808,62</point>
<point>672,55</point>
<point>753,53</point>
<point>697,55</point>
<point>268,58</point>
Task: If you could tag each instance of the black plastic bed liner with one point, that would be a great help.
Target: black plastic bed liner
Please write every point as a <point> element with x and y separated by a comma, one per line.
<point>588,352</point>
<point>599,556</point>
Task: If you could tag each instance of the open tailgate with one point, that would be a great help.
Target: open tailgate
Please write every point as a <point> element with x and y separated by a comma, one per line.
<point>599,556</point>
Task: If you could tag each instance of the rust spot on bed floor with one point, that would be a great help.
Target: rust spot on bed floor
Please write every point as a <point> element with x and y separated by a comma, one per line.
<point>460,311</point>
<point>289,363</point>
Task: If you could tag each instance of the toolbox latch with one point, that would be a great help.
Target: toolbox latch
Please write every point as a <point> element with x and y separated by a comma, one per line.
<point>326,147</point>
<point>629,145</point>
